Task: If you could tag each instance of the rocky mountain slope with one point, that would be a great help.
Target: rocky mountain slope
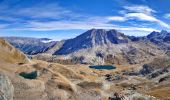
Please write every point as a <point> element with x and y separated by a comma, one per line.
<point>9,54</point>
<point>31,46</point>
<point>91,39</point>
<point>98,46</point>
<point>23,79</point>
<point>162,39</point>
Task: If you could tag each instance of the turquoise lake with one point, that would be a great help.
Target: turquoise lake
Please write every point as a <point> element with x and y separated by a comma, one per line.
<point>103,67</point>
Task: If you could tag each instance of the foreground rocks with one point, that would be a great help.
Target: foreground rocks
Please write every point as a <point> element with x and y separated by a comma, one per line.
<point>6,88</point>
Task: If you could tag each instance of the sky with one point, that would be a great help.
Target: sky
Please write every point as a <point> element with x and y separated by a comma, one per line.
<point>63,19</point>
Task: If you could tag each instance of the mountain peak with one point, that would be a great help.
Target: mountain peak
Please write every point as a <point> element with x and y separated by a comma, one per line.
<point>163,32</point>
<point>157,34</point>
<point>92,38</point>
<point>102,36</point>
<point>94,31</point>
<point>153,34</point>
<point>102,30</point>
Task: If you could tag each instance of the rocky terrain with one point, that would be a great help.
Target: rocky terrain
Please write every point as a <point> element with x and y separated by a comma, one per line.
<point>99,46</point>
<point>92,38</point>
<point>40,80</point>
<point>6,88</point>
<point>142,69</point>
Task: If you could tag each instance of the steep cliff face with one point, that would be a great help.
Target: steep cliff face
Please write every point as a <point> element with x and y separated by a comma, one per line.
<point>9,54</point>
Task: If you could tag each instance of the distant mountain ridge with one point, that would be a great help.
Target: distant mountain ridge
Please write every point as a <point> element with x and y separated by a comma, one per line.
<point>161,39</point>
<point>31,46</point>
<point>96,44</point>
<point>88,39</point>
<point>10,54</point>
<point>162,36</point>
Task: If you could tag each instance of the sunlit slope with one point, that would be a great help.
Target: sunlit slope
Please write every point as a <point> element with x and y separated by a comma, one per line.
<point>9,54</point>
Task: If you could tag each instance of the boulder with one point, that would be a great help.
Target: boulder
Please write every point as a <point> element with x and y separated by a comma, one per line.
<point>6,88</point>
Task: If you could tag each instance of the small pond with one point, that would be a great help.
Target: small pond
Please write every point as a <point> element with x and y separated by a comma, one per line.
<point>103,67</point>
<point>31,75</point>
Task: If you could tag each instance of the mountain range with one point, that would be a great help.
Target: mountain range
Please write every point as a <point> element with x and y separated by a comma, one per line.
<point>31,46</point>
<point>98,45</point>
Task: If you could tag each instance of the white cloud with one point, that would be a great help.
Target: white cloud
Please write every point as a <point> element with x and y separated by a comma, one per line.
<point>167,15</point>
<point>47,11</point>
<point>137,29</point>
<point>36,12</point>
<point>145,17</point>
<point>140,9</point>
<point>140,16</point>
<point>67,25</point>
<point>117,18</point>
<point>64,19</point>
<point>143,13</point>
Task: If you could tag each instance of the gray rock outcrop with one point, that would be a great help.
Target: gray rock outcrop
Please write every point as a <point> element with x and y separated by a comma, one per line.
<point>6,88</point>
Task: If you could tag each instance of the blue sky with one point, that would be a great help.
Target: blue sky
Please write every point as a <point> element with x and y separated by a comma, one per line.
<point>62,19</point>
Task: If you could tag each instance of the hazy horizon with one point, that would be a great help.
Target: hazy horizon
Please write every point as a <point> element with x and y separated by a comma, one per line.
<point>64,38</point>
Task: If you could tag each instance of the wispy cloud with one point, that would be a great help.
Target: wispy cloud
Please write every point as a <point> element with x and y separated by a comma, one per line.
<point>167,16</point>
<point>140,9</point>
<point>136,29</point>
<point>43,17</point>
<point>36,12</point>
<point>117,18</point>
<point>87,24</point>
<point>141,13</point>
<point>66,25</point>
<point>145,17</point>
<point>47,11</point>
